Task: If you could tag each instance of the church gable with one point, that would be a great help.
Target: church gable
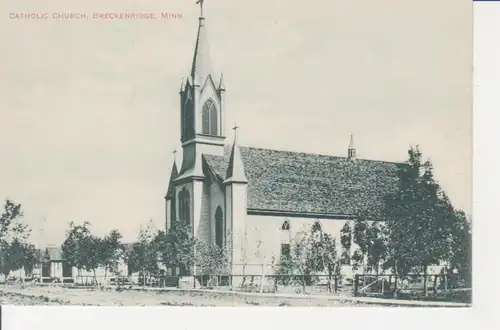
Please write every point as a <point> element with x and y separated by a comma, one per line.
<point>295,182</point>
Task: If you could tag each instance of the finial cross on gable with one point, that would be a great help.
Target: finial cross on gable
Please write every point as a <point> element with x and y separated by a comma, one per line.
<point>200,2</point>
<point>235,127</point>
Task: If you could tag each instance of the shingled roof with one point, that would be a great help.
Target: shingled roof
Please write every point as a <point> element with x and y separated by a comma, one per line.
<point>310,183</point>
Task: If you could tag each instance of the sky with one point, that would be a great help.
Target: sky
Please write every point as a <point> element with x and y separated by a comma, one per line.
<point>90,108</point>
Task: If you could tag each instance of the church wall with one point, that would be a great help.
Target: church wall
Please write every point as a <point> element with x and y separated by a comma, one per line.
<point>236,201</point>
<point>264,237</point>
<point>201,211</point>
<point>204,225</point>
<point>168,214</point>
<point>216,199</point>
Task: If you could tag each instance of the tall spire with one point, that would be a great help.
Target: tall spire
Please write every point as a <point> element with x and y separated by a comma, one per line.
<point>202,64</point>
<point>236,169</point>
<point>351,151</point>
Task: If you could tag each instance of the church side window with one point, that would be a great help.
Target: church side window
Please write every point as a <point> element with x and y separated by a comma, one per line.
<point>209,119</point>
<point>285,239</point>
<point>286,225</point>
<point>316,231</point>
<point>184,205</point>
<point>219,226</point>
<point>345,241</point>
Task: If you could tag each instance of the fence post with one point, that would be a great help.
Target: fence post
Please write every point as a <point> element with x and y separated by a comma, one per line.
<point>336,284</point>
<point>262,279</point>
<point>194,281</point>
<point>390,281</point>
<point>382,286</point>
<point>356,279</point>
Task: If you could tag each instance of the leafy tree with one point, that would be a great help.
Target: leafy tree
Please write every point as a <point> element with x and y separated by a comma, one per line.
<point>76,244</point>
<point>10,222</point>
<point>111,250</point>
<point>418,221</point>
<point>460,255</point>
<point>13,236</point>
<point>177,247</point>
<point>143,257</point>
<point>31,258</point>
<point>211,258</point>
<point>91,247</point>
<point>11,256</point>
<point>322,255</point>
<point>368,236</point>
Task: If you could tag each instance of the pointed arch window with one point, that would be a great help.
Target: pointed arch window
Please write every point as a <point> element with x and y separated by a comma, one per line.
<point>345,241</point>
<point>285,225</point>
<point>219,226</point>
<point>285,239</point>
<point>316,231</point>
<point>184,205</point>
<point>210,118</point>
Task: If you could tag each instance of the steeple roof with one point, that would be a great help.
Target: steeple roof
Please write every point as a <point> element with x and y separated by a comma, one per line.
<point>351,142</point>
<point>173,175</point>
<point>202,64</point>
<point>236,169</point>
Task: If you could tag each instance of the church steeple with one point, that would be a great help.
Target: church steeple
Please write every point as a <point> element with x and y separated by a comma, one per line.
<point>202,63</point>
<point>202,105</point>
<point>235,169</point>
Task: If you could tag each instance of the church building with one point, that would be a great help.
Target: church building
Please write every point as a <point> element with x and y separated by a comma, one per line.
<point>259,198</point>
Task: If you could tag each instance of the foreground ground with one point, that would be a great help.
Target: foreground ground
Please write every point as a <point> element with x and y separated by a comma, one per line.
<point>57,295</point>
<point>16,295</point>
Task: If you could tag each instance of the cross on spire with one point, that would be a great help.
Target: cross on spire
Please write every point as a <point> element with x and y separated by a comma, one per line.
<point>200,2</point>
<point>235,127</point>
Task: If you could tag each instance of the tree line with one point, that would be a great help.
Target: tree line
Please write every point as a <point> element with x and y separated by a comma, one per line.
<point>150,255</point>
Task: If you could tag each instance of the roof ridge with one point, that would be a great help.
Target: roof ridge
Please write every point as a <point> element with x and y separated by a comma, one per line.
<point>322,155</point>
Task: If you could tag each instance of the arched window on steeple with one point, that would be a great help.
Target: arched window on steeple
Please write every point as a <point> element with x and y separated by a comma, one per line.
<point>209,119</point>
<point>184,205</point>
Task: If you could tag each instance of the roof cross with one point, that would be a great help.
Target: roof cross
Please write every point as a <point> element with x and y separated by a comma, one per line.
<point>200,2</point>
<point>235,127</point>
